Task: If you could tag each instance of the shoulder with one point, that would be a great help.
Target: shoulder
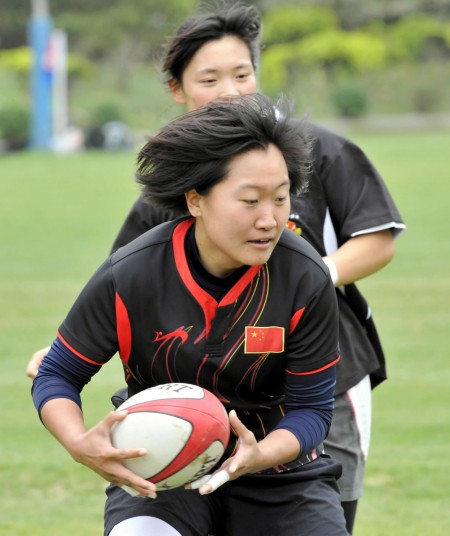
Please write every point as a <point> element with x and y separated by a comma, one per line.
<point>328,143</point>
<point>338,158</point>
<point>297,245</point>
<point>323,137</point>
<point>161,234</point>
<point>300,253</point>
<point>153,213</point>
<point>297,271</point>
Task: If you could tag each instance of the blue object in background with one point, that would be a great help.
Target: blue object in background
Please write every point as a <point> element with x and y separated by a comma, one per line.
<point>41,128</point>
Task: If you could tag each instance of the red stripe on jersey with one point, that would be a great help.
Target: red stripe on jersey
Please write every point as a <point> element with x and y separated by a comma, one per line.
<point>233,294</point>
<point>296,319</point>
<point>72,349</point>
<point>123,328</point>
<point>206,301</point>
<point>328,365</point>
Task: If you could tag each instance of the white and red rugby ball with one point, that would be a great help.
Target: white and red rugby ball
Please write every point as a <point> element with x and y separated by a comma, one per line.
<point>183,427</point>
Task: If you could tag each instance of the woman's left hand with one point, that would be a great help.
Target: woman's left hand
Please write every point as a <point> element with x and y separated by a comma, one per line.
<point>247,459</point>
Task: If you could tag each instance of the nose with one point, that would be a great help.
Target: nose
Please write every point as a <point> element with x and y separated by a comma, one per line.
<point>228,88</point>
<point>266,219</point>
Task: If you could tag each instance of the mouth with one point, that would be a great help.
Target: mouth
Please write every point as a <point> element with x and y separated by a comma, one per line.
<point>262,242</point>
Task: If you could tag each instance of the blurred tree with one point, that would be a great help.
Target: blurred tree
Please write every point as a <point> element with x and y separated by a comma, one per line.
<point>97,25</point>
<point>124,33</point>
<point>311,38</point>
<point>336,49</point>
<point>333,40</point>
<point>14,15</point>
<point>419,37</point>
<point>18,61</point>
<point>288,23</point>
<point>354,13</point>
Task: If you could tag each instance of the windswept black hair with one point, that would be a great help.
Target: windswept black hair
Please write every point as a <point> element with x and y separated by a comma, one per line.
<point>229,18</point>
<point>193,151</point>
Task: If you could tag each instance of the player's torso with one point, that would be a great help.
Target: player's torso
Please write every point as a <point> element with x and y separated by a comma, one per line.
<point>180,334</point>
<point>177,332</point>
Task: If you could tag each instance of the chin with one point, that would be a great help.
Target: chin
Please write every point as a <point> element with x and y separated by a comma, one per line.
<point>256,260</point>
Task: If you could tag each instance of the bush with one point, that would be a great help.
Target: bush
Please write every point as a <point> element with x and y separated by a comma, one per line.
<point>102,114</point>
<point>416,36</point>
<point>349,99</point>
<point>19,60</point>
<point>289,23</point>
<point>336,49</point>
<point>275,60</point>
<point>14,127</point>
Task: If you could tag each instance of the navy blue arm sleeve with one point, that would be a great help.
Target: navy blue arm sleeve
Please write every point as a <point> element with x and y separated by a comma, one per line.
<point>309,407</point>
<point>62,374</point>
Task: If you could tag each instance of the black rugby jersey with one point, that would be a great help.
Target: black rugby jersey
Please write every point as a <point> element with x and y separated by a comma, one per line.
<point>346,197</point>
<point>279,318</point>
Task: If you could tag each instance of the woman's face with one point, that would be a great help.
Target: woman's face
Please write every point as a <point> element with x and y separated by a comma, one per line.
<point>220,68</point>
<point>240,220</point>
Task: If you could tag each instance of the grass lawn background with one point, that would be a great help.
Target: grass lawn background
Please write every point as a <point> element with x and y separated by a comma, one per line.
<point>58,218</point>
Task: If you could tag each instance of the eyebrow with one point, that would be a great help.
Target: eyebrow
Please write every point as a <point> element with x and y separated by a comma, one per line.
<point>211,70</point>
<point>255,187</point>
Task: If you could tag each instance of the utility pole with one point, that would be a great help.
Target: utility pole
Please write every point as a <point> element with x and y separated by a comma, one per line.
<point>39,32</point>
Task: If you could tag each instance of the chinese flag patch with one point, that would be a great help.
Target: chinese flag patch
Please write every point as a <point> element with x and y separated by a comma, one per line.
<point>263,340</point>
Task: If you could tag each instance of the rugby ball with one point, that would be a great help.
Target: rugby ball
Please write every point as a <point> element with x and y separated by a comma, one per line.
<point>183,427</point>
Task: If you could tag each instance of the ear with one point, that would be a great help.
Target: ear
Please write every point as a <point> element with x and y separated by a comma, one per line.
<point>176,90</point>
<point>193,203</point>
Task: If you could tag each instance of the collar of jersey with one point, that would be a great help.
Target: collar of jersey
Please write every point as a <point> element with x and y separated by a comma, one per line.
<point>205,300</point>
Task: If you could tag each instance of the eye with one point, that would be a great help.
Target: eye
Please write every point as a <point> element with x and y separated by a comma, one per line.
<point>208,81</point>
<point>243,76</point>
<point>281,200</point>
<point>250,202</point>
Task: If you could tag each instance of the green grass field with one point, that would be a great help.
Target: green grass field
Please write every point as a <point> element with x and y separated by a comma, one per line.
<point>59,215</point>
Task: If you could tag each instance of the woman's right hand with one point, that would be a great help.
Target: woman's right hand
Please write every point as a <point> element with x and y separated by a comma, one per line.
<point>93,448</point>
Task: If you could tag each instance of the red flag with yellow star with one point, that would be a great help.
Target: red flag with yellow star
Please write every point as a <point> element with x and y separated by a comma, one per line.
<point>262,340</point>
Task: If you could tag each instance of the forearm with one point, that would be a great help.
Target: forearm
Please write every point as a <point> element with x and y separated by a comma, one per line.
<point>56,394</point>
<point>309,407</point>
<point>63,418</point>
<point>277,448</point>
<point>362,256</point>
